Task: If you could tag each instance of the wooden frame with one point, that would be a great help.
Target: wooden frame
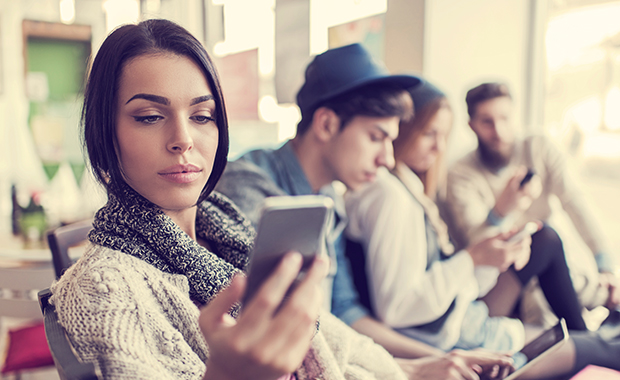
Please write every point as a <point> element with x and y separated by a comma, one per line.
<point>55,31</point>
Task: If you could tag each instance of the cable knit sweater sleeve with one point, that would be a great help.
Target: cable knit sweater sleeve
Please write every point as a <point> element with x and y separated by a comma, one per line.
<point>132,319</point>
<point>339,353</point>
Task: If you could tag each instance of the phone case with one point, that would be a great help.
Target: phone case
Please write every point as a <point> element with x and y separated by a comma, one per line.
<point>287,223</point>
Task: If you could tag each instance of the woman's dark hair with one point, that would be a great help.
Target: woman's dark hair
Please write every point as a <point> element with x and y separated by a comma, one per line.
<point>374,100</point>
<point>99,110</point>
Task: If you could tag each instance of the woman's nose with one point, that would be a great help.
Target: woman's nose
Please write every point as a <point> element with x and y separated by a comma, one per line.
<point>440,144</point>
<point>180,138</point>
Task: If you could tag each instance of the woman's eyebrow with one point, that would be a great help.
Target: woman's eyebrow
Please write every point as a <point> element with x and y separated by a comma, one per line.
<point>201,99</point>
<point>152,98</point>
<point>165,101</point>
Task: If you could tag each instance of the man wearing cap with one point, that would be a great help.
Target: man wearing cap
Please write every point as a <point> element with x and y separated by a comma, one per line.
<point>351,108</point>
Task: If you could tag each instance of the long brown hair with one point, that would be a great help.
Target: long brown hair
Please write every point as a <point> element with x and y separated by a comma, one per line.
<point>409,131</point>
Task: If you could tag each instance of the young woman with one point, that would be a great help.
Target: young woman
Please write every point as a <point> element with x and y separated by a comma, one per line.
<point>419,285</point>
<point>155,128</point>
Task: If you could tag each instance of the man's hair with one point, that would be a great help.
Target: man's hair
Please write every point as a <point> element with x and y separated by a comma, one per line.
<point>374,100</point>
<point>99,111</point>
<point>484,92</point>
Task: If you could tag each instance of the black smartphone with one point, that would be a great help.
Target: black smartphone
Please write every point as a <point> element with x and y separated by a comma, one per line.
<point>527,178</point>
<point>287,223</point>
<point>537,349</point>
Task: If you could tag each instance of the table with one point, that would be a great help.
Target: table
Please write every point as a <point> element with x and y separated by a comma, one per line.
<point>13,254</point>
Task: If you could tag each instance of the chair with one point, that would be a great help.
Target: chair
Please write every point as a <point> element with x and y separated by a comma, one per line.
<point>68,364</point>
<point>354,252</point>
<point>27,347</point>
<point>62,238</point>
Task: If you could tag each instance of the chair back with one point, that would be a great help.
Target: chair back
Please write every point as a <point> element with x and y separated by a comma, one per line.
<point>63,238</point>
<point>68,364</point>
<point>354,252</point>
<point>19,286</point>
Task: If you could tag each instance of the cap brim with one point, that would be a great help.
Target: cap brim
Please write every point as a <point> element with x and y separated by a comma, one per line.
<point>405,81</point>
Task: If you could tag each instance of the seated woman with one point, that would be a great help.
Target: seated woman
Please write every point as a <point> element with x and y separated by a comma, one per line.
<point>156,132</point>
<point>420,286</point>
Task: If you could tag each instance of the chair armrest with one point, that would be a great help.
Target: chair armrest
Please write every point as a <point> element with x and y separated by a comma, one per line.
<point>68,364</point>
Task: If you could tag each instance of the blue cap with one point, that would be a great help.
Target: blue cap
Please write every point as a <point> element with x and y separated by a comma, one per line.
<point>423,94</point>
<point>343,69</point>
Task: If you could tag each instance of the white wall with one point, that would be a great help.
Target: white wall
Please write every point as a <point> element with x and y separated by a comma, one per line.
<point>469,42</point>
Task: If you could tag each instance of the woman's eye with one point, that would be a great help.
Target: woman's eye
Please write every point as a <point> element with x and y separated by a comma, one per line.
<point>151,119</point>
<point>374,138</point>
<point>201,119</point>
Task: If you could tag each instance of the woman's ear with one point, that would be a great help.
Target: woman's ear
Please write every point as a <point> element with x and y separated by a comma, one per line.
<point>325,124</point>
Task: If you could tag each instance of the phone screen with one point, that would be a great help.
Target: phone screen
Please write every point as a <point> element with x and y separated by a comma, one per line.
<point>539,346</point>
<point>295,223</point>
<point>527,178</point>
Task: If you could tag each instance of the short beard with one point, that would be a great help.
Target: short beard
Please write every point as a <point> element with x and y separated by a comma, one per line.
<point>492,159</point>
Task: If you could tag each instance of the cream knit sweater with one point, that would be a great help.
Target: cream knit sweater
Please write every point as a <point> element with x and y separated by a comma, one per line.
<point>138,322</point>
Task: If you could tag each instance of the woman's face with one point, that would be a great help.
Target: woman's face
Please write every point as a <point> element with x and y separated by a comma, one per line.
<point>166,130</point>
<point>423,153</point>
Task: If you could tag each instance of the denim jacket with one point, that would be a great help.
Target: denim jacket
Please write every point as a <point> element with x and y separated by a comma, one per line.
<point>266,172</point>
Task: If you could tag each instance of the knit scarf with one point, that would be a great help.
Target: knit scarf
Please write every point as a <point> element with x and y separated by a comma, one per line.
<point>139,228</point>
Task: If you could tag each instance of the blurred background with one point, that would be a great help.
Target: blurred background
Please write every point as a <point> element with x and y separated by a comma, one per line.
<point>561,59</point>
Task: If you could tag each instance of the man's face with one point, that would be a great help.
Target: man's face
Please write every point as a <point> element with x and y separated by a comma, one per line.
<point>492,124</point>
<point>354,154</point>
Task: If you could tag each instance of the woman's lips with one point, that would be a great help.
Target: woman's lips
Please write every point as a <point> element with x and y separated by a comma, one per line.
<point>181,173</point>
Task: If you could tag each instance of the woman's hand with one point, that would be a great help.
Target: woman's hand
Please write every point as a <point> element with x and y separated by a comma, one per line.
<point>610,282</point>
<point>457,365</point>
<point>497,252</point>
<point>265,342</point>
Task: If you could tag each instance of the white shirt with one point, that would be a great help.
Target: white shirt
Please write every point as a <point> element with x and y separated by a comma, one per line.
<point>389,223</point>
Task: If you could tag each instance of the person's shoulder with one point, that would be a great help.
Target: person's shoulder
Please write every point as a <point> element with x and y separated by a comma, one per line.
<point>258,161</point>
<point>467,162</point>
<point>102,276</point>
<point>386,193</point>
<point>242,165</point>
<point>243,174</point>
<point>539,143</point>
<point>218,205</point>
<point>386,185</point>
<point>466,168</point>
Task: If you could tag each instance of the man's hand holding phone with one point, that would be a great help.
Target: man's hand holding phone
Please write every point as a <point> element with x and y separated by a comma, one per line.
<point>520,191</point>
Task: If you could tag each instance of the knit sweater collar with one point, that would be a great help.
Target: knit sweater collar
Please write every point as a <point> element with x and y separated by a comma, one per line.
<point>139,228</point>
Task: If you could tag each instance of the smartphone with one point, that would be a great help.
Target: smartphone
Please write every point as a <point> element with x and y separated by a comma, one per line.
<point>536,350</point>
<point>528,176</point>
<point>287,223</point>
<point>530,228</point>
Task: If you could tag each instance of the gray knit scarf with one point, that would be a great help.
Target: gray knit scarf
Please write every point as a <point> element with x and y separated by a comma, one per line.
<point>139,228</point>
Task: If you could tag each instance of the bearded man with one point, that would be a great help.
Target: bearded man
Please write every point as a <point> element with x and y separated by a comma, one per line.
<point>493,188</point>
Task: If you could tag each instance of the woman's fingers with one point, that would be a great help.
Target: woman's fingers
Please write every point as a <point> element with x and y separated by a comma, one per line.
<point>269,297</point>
<point>216,313</point>
<point>270,335</point>
<point>296,320</point>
